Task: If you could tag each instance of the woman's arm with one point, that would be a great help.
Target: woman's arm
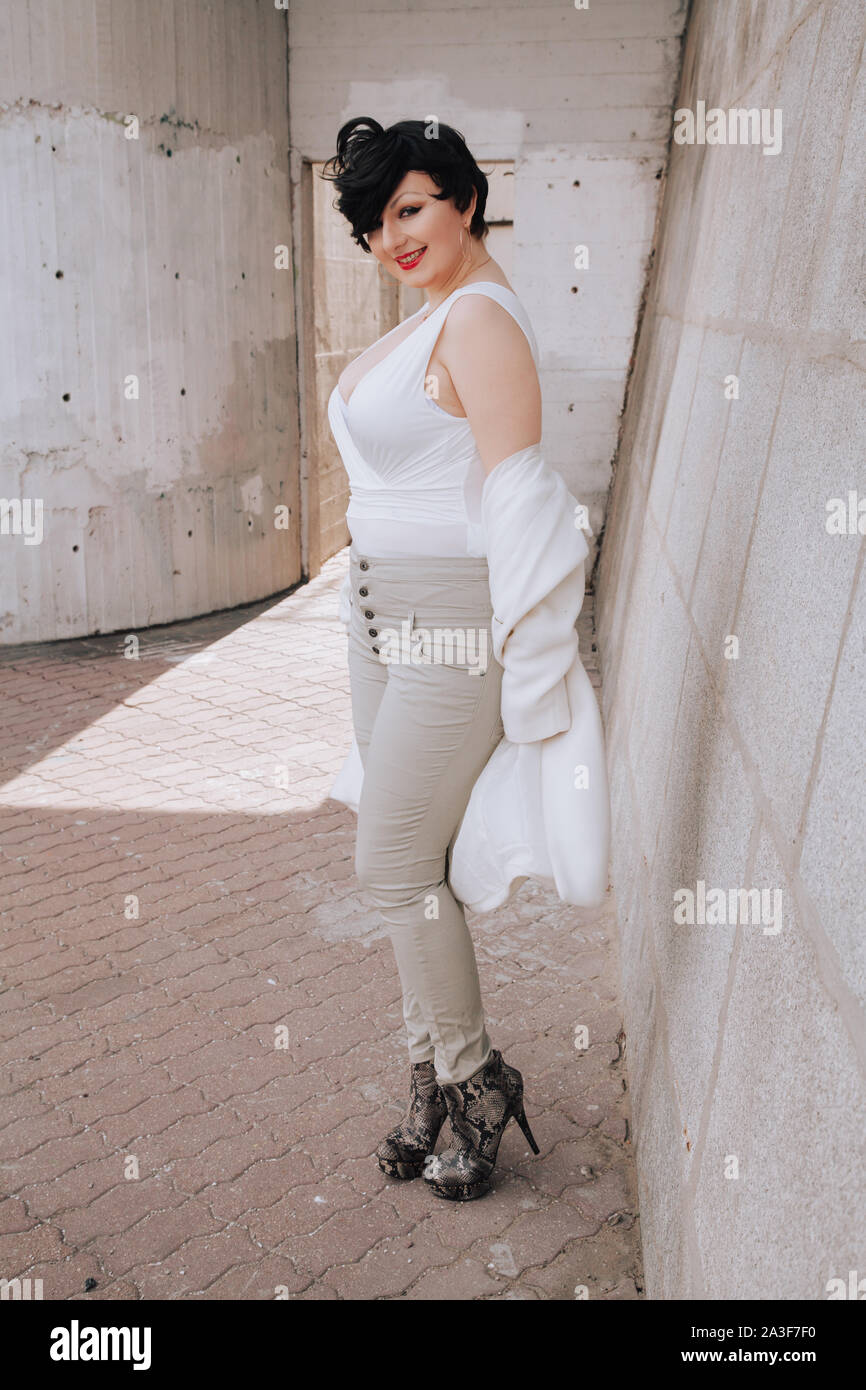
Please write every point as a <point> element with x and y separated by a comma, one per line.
<point>491,365</point>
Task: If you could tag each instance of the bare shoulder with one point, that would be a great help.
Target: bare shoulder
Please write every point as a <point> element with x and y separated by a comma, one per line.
<point>475,304</point>
<point>478,320</point>
<point>490,363</point>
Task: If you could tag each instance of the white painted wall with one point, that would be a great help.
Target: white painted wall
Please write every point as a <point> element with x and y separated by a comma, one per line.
<point>745,1043</point>
<point>574,97</point>
<point>158,508</point>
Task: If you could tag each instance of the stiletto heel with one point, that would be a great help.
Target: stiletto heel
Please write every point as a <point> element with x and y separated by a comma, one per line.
<point>524,1125</point>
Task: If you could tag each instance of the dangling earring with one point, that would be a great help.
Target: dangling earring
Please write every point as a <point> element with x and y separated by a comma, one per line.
<point>466,255</point>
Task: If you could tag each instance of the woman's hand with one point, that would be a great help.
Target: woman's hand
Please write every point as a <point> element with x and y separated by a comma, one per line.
<point>490,363</point>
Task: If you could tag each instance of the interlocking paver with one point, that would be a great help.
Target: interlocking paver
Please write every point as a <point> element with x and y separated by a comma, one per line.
<point>388,1269</point>
<point>156,1236</point>
<point>264,1279</point>
<point>193,981</point>
<point>67,1278</point>
<point>464,1279</point>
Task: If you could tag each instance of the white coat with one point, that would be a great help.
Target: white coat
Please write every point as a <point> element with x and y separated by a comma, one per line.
<point>540,806</point>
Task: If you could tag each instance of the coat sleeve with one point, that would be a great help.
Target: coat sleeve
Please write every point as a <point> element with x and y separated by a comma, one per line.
<point>536,558</point>
<point>537,656</point>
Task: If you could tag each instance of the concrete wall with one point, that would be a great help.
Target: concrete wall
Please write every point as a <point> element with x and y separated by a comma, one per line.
<point>150,258</point>
<point>745,770</point>
<point>581,100</point>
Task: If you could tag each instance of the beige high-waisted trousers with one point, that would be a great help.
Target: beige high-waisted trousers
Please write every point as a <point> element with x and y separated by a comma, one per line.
<point>425,729</point>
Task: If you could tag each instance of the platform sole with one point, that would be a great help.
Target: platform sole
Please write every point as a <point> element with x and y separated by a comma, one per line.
<point>459,1192</point>
<point>398,1168</point>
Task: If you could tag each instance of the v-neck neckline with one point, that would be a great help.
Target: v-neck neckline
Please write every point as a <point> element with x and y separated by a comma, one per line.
<point>389,355</point>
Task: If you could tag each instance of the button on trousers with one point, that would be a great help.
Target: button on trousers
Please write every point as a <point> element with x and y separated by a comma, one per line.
<point>426,711</point>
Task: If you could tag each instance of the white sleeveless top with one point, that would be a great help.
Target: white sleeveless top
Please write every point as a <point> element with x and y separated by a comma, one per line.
<point>415,473</point>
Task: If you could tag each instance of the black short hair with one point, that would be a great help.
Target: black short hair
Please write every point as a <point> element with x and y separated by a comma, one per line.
<point>370,163</point>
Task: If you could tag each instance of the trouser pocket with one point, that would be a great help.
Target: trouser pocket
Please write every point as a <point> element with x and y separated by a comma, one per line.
<point>460,645</point>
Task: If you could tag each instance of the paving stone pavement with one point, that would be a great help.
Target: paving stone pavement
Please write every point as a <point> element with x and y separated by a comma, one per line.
<point>201,1031</point>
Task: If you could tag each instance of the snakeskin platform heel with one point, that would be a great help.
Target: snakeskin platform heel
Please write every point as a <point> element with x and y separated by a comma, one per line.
<point>479,1109</point>
<point>404,1149</point>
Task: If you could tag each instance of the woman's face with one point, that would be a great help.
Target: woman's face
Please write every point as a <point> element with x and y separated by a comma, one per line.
<point>414,221</point>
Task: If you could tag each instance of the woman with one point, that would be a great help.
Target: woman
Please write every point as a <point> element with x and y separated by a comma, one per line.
<point>421,419</point>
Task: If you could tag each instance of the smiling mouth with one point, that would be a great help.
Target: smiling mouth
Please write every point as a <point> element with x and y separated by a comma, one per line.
<point>407,262</point>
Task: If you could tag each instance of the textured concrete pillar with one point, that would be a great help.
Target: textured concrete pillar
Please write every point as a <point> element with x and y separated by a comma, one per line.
<point>148,392</point>
<point>732,631</point>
